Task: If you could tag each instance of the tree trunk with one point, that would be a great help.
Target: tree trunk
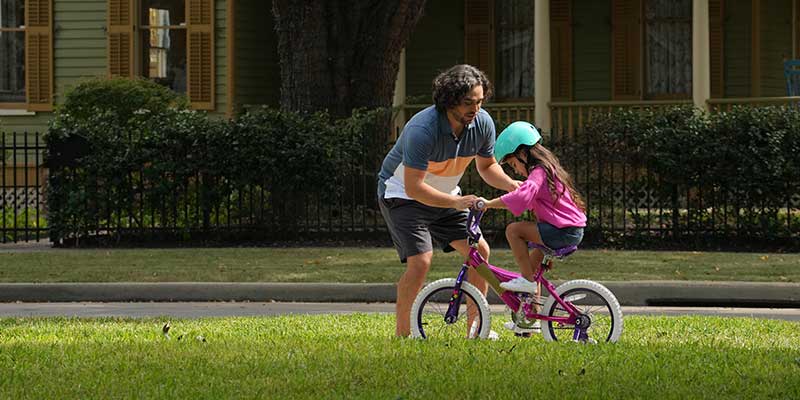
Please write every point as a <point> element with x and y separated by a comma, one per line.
<point>340,55</point>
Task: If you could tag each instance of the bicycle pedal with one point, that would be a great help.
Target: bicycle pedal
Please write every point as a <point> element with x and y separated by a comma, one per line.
<point>525,335</point>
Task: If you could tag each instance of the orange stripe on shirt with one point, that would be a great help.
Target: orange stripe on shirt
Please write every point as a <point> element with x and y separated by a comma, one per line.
<point>452,167</point>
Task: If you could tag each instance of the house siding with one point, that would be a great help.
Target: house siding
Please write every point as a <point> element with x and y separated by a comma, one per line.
<point>257,79</point>
<point>436,44</point>
<point>591,64</point>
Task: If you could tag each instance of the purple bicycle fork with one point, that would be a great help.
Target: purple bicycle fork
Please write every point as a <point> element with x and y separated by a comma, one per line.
<point>455,299</point>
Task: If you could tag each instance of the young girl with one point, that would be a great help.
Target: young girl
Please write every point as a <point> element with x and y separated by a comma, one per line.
<point>548,192</point>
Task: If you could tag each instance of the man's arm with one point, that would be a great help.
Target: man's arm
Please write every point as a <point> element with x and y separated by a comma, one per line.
<point>493,174</point>
<point>417,189</point>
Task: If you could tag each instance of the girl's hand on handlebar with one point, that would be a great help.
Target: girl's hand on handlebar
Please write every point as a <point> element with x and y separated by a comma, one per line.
<point>480,204</point>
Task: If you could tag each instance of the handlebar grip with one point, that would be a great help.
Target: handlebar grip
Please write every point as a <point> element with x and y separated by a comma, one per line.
<point>480,205</point>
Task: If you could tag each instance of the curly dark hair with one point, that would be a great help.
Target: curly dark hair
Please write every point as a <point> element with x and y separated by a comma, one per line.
<point>450,87</point>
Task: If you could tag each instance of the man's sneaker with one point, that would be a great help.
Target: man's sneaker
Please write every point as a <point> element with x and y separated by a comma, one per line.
<point>535,328</point>
<point>493,335</point>
<point>519,285</point>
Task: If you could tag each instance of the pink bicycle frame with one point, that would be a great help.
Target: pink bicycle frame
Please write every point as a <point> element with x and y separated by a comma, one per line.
<point>496,275</point>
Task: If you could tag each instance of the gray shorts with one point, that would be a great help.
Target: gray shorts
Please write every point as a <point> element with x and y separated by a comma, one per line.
<point>415,227</point>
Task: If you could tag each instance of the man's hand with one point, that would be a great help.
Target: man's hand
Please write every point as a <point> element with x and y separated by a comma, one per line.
<point>515,185</point>
<point>464,202</point>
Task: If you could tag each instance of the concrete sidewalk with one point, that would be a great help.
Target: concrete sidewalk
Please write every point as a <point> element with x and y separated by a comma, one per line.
<point>629,293</point>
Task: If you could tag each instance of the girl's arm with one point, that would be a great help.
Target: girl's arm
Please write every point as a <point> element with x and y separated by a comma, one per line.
<point>493,203</point>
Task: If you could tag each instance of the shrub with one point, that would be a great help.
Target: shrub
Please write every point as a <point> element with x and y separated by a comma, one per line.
<point>150,163</point>
<point>743,163</point>
<point>670,142</point>
<point>296,152</point>
<point>26,220</point>
<point>755,150</point>
<point>122,96</point>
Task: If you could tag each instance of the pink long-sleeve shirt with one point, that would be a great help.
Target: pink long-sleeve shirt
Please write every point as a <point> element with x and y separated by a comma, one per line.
<point>534,195</point>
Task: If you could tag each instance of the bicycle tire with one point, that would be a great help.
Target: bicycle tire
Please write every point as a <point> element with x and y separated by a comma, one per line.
<point>441,290</point>
<point>599,294</point>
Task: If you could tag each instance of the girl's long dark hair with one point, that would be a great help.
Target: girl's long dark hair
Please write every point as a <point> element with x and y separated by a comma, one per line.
<point>538,155</point>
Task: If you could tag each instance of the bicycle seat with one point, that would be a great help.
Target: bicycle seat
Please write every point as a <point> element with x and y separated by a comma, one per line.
<point>560,253</point>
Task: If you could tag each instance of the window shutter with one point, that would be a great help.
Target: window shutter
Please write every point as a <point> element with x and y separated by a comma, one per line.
<point>479,35</point>
<point>561,49</point>
<point>797,29</point>
<point>120,38</point>
<point>39,54</point>
<point>716,17</point>
<point>201,54</point>
<point>626,46</point>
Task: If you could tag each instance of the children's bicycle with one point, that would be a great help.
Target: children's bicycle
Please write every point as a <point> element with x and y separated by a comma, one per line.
<point>578,310</point>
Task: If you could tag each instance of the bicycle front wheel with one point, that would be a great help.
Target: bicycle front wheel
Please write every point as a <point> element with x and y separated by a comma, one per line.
<point>600,312</point>
<point>430,307</point>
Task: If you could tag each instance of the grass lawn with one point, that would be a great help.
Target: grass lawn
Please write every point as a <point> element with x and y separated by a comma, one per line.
<point>355,356</point>
<point>348,264</point>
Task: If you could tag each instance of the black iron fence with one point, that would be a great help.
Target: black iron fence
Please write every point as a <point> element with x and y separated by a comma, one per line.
<point>22,179</point>
<point>627,206</point>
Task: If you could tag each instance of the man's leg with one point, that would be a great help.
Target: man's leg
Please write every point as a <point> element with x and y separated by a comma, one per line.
<point>472,276</point>
<point>407,288</point>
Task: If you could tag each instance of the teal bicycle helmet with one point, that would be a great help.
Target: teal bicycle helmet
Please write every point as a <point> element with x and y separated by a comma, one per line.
<point>515,135</point>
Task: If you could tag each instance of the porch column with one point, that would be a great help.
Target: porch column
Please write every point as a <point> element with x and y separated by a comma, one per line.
<point>701,60</point>
<point>399,115</point>
<point>541,64</point>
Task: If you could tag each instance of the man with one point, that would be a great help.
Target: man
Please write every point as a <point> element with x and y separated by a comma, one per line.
<point>418,189</point>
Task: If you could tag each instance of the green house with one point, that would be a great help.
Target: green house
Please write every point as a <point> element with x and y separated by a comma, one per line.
<point>552,62</point>
<point>556,61</point>
<point>220,53</point>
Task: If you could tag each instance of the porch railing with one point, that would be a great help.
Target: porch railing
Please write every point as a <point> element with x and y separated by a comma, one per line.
<point>569,117</point>
<point>716,105</point>
<point>502,113</point>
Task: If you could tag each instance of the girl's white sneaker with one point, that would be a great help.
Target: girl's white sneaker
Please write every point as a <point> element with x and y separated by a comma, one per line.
<point>519,285</point>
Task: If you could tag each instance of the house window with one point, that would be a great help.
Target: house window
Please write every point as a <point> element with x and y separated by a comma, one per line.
<point>514,49</point>
<point>668,48</point>
<point>162,48</point>
<point>12,51</point>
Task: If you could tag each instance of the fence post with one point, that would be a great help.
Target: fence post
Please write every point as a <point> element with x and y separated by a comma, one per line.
<point>676,231</point>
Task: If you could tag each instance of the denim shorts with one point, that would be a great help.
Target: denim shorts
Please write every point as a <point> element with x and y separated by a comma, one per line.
<point>556,238</point>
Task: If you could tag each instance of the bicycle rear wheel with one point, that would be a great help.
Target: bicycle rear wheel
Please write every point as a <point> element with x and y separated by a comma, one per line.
<point>430,307</point>
<point>601,314</point>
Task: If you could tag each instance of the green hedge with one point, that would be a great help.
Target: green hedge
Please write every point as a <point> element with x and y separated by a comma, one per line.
<point>731,173</point>
<point>747,150</point>
<point>141,162</point>
<point>127,159</point>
